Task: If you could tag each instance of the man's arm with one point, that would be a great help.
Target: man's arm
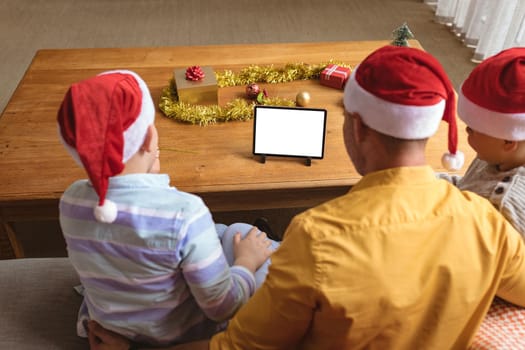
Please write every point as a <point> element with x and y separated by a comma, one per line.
<point>512,286</point>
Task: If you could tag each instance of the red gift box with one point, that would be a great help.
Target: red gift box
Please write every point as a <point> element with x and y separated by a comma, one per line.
<point>334,76</point>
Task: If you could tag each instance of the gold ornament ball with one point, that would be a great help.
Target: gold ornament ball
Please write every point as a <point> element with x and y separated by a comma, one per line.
<point>302,99</point>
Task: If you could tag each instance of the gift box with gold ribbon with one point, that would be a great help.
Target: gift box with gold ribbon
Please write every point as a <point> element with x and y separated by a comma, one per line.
<point>196,85</point>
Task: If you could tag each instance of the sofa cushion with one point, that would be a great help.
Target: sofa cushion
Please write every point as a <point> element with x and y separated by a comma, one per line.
<point>38,305</point>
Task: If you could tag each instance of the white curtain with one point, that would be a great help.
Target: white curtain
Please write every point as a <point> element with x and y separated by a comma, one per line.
<point>460,17</point>
<point>446,11</point>
<point>487,26</point>
<point>516,31</point>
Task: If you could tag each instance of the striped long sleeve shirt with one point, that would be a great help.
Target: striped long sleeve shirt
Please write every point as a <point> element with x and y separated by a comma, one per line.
<point>157,274</point>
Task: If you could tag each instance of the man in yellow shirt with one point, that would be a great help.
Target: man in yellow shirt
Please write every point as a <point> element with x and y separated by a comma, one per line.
<point>404,260</point>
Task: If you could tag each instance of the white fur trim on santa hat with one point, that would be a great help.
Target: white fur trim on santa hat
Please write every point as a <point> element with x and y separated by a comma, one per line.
<point>136,132</point>
<point>505,126</point>
<point>404,121</point>
<point>106,212</point>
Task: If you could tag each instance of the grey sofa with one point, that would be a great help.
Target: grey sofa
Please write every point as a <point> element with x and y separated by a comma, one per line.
<point>38,305</point>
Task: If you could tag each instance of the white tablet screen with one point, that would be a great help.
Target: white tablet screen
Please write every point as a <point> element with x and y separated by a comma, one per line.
<point>288,131</point>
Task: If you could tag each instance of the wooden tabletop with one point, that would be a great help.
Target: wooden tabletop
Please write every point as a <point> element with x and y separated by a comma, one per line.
<point>214,161</point>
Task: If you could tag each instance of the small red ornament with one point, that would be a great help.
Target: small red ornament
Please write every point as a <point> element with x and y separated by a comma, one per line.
<point>252,90</point>
<point>194,73</point>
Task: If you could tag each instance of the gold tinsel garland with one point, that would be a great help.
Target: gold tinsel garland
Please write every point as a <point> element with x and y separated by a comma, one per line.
<point>238,109</point>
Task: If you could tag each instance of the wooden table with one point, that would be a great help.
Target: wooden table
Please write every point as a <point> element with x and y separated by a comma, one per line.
<point>214,162</point>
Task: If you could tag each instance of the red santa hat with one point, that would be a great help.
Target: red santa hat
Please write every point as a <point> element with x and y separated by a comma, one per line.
<point>492,99</point>
<point>103,122</point>
<point>405,93</point>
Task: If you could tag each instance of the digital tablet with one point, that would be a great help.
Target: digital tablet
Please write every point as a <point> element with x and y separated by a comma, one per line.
<point>289,131</point>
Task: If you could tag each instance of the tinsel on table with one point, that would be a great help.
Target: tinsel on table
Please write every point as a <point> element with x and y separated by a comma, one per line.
<point>272,75</point>
<point>238,109</point>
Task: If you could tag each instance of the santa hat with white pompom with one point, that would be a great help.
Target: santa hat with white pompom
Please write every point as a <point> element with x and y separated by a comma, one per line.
<point>103,122</point>
<point>492,98</point>
<point>405,93</point>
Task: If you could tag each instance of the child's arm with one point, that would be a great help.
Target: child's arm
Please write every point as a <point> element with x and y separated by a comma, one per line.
<point>453,179</point>
<point>475,167</point>
<point>512,204</point>
<point>219,290</point>
<point>512,285</point>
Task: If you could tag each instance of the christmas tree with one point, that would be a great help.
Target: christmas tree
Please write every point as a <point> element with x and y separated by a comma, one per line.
<point>401,35</point>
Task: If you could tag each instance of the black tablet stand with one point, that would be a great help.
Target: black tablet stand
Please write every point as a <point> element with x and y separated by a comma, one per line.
<point>307,160</point>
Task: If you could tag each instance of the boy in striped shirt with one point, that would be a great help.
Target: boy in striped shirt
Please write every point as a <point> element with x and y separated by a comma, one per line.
<point>149,256</point>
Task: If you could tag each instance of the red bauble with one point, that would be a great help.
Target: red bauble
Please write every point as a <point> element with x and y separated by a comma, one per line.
<point>252,90</point>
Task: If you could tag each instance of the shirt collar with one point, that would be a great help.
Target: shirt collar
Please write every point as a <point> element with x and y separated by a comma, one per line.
<point>139,180</point>
<point>397,176</point>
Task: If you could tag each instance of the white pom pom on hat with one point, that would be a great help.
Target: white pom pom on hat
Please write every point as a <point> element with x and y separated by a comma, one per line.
<point>405,93</point>
<point>453,162</point>
<point>492,98</point>
<point>107,212</point>
<point>103,122</point>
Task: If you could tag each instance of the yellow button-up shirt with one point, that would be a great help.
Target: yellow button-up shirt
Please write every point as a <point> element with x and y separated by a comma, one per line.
<point>403,261</point>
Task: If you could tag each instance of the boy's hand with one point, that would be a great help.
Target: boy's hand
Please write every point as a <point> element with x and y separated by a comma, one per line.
<point>252,251</point>
<point>102,339</point>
